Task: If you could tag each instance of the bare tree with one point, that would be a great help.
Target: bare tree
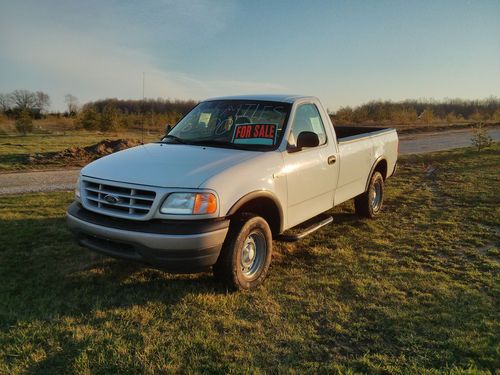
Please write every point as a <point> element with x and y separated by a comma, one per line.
<point>5,102</point>
<point>24,99</point>
<point>34,102</point>
<point>72,103</point>
<point>43,101</point>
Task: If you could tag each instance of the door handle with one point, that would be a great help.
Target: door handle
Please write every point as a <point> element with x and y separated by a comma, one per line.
<point>332,159</point>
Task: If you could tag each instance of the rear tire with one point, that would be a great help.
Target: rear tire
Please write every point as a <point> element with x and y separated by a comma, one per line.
<point>246,254</point>
<point>369,204</point>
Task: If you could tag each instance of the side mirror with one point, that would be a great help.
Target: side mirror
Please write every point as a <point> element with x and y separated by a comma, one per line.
<point>307,139</point>
<point>168,127</point>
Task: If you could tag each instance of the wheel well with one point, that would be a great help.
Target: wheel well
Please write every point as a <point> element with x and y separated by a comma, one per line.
<point>267,209</point>
<point>382,168</point>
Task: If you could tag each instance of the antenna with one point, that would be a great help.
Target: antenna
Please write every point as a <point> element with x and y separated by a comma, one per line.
<point>142,122</point>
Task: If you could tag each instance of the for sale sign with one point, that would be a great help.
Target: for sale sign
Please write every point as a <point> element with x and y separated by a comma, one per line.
<point>255,134</point>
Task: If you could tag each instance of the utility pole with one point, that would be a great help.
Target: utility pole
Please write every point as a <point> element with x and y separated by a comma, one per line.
<point>142,122</point>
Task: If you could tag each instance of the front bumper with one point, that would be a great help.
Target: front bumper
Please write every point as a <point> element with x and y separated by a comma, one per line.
<point>176,246</point>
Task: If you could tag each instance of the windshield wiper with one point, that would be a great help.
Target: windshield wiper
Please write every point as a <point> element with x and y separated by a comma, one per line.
<point>210,142</point>
<point>175,138</point>
<point>224,144</point>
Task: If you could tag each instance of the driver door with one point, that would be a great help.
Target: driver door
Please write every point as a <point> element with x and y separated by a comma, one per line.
<point>311,174</point>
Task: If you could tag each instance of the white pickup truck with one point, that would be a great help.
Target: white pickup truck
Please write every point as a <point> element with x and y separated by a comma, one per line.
<point>232,175</point>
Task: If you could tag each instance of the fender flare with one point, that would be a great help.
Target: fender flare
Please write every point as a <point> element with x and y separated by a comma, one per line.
<point>377,161</point>
<point>254,195</point>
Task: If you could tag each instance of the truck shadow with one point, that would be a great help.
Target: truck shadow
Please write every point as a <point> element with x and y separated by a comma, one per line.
<point>45,274</point>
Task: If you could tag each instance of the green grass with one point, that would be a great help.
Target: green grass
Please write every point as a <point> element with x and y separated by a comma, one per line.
<point>14,149</point>
<point>414,291</point>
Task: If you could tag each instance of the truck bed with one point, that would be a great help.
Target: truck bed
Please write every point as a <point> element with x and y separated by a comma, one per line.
<point>355,132</point>
<point>359,147</point>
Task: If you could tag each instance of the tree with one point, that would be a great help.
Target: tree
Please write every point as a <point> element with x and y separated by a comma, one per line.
<point>5,102</point>
<point>88,118</point>
<point>24,124</point>
<point>35,102</point>
<point>480,137</point>
<point>72,103</point>
<point>24,99</point>
<point>109,118</point>
<point>42,101</point>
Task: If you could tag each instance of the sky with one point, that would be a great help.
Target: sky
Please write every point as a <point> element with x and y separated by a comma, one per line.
<point>344,52</point>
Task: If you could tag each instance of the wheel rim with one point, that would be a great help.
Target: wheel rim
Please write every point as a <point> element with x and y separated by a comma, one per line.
<point>253,254</point>
<point>376,196</point>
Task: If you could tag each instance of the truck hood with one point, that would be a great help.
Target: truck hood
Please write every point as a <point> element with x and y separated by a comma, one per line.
<point>166,165</point>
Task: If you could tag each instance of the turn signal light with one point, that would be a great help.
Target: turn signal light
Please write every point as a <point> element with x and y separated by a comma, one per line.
<point>204,203</point>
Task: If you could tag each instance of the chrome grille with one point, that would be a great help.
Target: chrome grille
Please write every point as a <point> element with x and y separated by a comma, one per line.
<point>118,200</point>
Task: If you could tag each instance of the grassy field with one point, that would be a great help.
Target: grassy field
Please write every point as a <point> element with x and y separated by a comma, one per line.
<point>14,149</point>
<point>414,291</point>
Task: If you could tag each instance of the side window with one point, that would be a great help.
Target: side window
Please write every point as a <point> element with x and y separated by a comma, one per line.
<point>307,119</point>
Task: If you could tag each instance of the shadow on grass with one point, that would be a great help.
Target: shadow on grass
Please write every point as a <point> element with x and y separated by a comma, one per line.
<point>46,277</point>
<point>44,273</point>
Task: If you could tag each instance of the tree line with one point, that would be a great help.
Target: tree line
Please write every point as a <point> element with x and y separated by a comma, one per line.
<point>112,114</point>
<point>105,115</point>
<point>425,111</point>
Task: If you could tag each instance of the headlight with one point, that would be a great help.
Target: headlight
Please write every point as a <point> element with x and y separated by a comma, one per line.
<point>77,188</point>
<point>189,204</point>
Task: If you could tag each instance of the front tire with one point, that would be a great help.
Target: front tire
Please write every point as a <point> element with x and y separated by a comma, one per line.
<point>369,204</point>
<point>246,254</point>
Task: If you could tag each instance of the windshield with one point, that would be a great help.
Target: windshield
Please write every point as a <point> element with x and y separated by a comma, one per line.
<point>247,124</point>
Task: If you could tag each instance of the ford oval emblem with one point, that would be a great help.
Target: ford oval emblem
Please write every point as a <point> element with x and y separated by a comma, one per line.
<point>112,199</point>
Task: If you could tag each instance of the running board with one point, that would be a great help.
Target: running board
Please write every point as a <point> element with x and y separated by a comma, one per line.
<point>323,220</point>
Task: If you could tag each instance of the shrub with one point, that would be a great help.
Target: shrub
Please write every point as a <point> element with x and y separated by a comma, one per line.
<point>480,137</point>
<point>109,119</point>
<point>476,116</point>
<point>343,115</point>
<point>451,117</point>
<point>88,118</point>
<point>403,116</point>
<point>496,115</point>
<point>24,123</point>
<point>3,118</point>
<point>427,116</point>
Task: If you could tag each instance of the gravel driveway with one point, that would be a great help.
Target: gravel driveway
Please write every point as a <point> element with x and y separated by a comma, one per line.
<point>26,182</point>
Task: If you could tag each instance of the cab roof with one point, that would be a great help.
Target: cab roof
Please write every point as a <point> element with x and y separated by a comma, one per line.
<point>266,97</point>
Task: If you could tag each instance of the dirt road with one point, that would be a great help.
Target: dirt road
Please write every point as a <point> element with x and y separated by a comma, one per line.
<point>439,141</point>
<point>25,182</point>
<point>28,182</point>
